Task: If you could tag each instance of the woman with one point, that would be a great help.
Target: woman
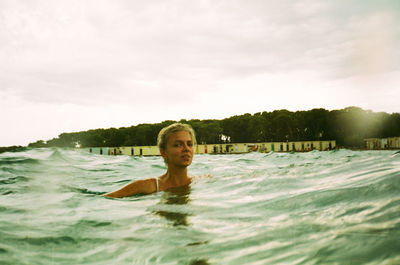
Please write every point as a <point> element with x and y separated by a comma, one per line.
<point>176,147</point>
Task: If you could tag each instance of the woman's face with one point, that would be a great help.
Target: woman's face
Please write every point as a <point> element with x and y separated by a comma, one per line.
<point>179,149</point>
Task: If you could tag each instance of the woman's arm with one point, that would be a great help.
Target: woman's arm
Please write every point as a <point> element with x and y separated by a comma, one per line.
<point>145,186</point>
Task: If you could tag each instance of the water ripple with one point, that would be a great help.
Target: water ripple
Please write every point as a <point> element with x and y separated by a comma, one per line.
<point>336,207</point>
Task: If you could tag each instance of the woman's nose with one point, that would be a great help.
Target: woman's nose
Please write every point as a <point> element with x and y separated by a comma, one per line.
<point>186,147</point>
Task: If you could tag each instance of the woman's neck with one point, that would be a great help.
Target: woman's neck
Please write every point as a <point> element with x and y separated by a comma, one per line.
<point>176,176</point>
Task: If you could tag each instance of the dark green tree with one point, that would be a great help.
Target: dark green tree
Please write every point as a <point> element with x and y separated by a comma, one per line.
<point>349,127</point>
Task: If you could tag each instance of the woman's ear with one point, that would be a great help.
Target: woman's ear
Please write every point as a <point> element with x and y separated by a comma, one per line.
<point>163,154</point>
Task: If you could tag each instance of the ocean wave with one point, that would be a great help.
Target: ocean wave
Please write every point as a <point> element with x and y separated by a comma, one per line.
<point>4,161</point>
<point>339,206</point>
<point>13,179</point>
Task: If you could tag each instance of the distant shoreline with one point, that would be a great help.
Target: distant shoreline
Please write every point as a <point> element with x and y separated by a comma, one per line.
<point>14,148</point>
<point>351,127</point>
<point>24,148</point>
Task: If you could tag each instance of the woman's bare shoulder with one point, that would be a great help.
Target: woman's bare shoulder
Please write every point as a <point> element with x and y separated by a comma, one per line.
<point>141,186</point>
<point>147,185</point>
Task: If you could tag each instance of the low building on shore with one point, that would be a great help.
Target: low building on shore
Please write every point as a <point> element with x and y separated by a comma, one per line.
<point>383,143</point>
<point>99,150</point>
<point>237,148</point>
<point>226,148</point>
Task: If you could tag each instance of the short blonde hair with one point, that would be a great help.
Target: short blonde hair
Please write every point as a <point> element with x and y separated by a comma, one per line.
<point>165,132</point>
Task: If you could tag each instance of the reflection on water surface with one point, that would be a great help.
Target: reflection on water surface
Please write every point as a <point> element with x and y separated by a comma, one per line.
<point>175,196</point>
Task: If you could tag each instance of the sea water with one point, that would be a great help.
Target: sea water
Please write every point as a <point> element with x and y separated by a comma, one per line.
<point>333,207</point>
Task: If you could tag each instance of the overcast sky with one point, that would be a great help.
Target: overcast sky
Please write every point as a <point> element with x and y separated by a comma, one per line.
<point>75,65</point>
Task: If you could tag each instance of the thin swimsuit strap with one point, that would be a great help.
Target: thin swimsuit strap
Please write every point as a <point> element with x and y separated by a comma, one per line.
<point>158,189</point>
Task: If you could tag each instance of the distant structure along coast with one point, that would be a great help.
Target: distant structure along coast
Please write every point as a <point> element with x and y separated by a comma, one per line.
<point>225,148</point>
<point>383,143</point>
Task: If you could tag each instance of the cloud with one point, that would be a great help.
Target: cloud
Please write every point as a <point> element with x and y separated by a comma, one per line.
<point>194,59</point>
<point>373,48</point>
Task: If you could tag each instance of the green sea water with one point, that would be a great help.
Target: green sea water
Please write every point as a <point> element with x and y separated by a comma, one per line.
<point>334,207</point>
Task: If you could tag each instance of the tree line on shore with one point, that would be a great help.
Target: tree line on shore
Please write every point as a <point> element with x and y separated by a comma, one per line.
<point>349,127</point>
